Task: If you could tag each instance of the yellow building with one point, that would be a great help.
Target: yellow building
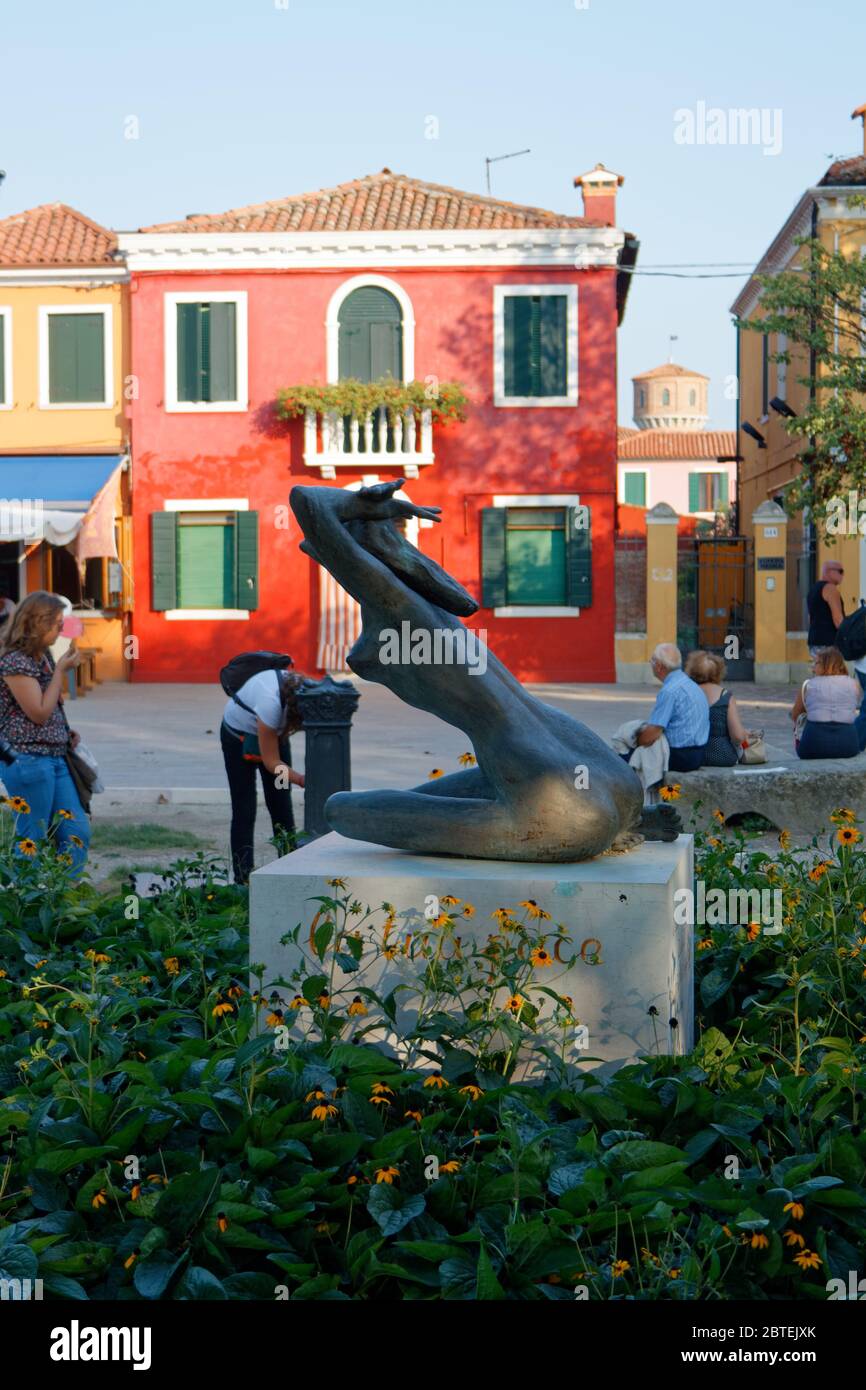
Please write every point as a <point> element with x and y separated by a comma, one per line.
<point>64,380</point>
<point>768,390</point>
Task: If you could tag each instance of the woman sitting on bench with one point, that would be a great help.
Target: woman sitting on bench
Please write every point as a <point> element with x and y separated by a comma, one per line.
<point>825,709</point>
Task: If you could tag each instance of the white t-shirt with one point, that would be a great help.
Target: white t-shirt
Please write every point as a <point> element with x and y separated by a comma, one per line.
<point>262,693</point>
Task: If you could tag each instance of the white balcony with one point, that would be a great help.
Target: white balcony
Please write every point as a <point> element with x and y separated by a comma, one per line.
<point>333,441</point>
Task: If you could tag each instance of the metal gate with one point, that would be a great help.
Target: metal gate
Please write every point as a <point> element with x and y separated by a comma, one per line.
<point>716,600</point>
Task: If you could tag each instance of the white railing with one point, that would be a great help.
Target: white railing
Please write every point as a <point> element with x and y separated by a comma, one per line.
<point>333,441</point>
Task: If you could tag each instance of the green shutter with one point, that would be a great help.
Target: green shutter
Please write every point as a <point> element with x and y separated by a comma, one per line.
<point>553,365</point>
<point>76,358</point>
<point>163,560</point>
<point>635,489</point>
<point>205,566</point>
<point>222,352</point>
<point>371,335</point>
<point>2,359</point>
<point>578,551</point>
<point>695,492</point>
<point>189,359</point>
<point>493,573</point>
<point>385,351</point>
<point>723,489</point>
<point>517,328</point>
<point>247,559</point>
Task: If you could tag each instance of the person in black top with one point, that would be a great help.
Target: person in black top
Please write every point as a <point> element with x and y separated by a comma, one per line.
<point>826,609</point>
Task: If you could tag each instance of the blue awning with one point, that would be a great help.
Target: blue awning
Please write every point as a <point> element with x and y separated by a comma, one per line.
<point>61,480</point>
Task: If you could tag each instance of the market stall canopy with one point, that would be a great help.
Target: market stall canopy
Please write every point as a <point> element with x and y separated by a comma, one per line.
<point>48,496</point>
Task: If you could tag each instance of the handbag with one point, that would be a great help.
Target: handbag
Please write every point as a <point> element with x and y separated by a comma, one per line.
<point>83,767</point>
<point>754,750</point>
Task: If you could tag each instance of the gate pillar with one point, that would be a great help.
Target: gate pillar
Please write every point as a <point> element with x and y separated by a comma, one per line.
<point>661,576</point>
<point>770,524</point>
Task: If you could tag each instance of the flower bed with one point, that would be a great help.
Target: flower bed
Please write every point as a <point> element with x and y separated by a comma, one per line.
<point>158,1146</point>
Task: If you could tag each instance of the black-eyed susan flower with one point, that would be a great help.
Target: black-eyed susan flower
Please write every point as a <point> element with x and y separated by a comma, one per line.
<point>27,847</point>
<point>670,793</point>
<point>135,1192</point>
<point>357,1008</point>
<point>324,1000</point>
<point>437,1080</point>
<point>316,1094</point>
<point>843,816</point>
<point>674,1273</point>
<point>540,957</point>
<point>474,1092</point>
<point>171,965</point>
<point>98,957</point>
<point>436,772</point>
<point>64,858</point>
<point>298,1002</point>
<point>619,1267</point>
<point>99,1199</point>
<point>793,1238</point>
<point>380,1089</point>
<point>648,1257</point>
<point>222,1222</point>
<point>336,883</point>
<point>706,944</point>
<point>77,841</point>
<point>324,1112</point>
<point>130,1260</point>
<point>808,1259</point>
<point>20,805</point>
<point>468,910</point>
<point>754,930</point>
<point>819,871</point>
<point>158,1178</point>
<point>719,816</point>
<point>65,815</point>
<point>759,1241</point>
<point>452,1166</point>
<point>413,1115</point>
<point>515,1003</point>
<point>534,912</point>
<point>224,1008</point>
<point>389,952</point>
<point>235,992</point>
<point>797,1210</point>
<point>501,915</point>
<point>785,839</point>
<point>449,900</point>
<point>847,835</point>
<point>467,760</point>
<point>387,1175</point>
<point>379,1100</point>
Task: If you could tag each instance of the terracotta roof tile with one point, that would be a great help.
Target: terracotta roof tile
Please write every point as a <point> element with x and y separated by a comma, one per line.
<point>669,369</point>
<point>677,444</point>
<point>378,202</point>
<point>55,235</point>
<point>846,171</point>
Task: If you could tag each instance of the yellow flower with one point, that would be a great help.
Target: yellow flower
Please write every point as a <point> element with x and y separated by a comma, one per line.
<point>412,1115</point>
<point>818,872</point>
<point>785,839</point>
<point>719,816</point>
<point>314,1095</point>
<point>135,1192</point>
<point>670,793</point>
<point>380,1089</point>
<point>324,1112</point>
<point>443,920</point>
<point>648,1257</point>
<point>389,952</point>
<point>843,814</point>
<point>379,1100</point>
<point>64,858</point>
<point>468,910</point>
<point>387,1175</point>
<point>467,760</point>
<point>808,1259</point>
<point>674,1273</point>
<point>846,835</point>
<point>222,1222</point>
<point>794,1238</point>
<point>130,1260</point>
<point>797,1210</point>
<point>438,1081</point>
<point>515,1003</point>
<point>713,842</point>
<point>3,974</point>
<point>502,916</point>
<point>324,1000</point>
<point>220,1009</point>
<point>728,1232</point>
<point>336,882</point>
<point>706,944</point>
<point>76,841</point>
<point>449,900</point>
<point>754,930</point>
<point>540,957</point>
<point>357,1008</point>
<point>27,847</point>
<point>474,1091</point>
<point>452,1166</point>
<point>99,1199</point>
<point>235,992</point>
<point>619,1267</point>
<point>759,1241</point>
<point>172,965</point>
<point>536,913</point>
<point>19,804</point>
<point>298,1002</point>
<point>98,957</point>
<point>42,1023</point>
<point>65,815</point>
<point>437,772</point>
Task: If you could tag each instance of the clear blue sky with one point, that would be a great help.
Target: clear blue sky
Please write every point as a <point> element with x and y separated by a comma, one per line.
<point>243,100</point>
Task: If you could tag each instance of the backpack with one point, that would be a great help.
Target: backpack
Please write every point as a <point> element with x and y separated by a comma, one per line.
<point>238,671</point>
<point>851,634</point>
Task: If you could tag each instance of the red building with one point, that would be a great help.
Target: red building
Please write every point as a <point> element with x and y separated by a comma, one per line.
<point>380,277</point>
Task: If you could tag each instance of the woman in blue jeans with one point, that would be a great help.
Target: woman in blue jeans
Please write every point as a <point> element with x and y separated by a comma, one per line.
<point>33,724</point>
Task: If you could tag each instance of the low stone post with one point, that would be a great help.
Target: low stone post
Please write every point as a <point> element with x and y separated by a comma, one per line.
<point>770,524</point>
<point>661,576</point>
<point>326,708</point>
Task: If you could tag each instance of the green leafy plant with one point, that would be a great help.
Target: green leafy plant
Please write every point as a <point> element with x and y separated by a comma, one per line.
<point>355,400</point>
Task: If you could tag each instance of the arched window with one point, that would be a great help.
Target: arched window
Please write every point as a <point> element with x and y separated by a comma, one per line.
<point>666,397</point>
<point>370,335</point>
<point>693,398</point>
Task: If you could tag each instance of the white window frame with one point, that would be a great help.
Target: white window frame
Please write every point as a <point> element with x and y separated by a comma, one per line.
<point>107,311</point>
<point>624,469</point>
<point>171,299</point>
<point>500,294</point>
<point>332,322</point>
<point>6,313</point>
<point>206,504</point>
<point>550,499</point>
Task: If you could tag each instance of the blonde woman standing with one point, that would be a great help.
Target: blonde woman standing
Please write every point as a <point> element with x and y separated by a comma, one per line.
<point>33,723</point>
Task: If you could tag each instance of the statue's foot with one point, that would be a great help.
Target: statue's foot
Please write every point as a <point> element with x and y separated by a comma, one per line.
<point>660,823</point>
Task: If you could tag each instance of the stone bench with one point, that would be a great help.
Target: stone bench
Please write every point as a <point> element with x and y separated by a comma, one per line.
<point>791,794</point>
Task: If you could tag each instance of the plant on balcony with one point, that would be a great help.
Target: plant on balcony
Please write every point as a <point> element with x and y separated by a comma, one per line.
<point>446,400</point>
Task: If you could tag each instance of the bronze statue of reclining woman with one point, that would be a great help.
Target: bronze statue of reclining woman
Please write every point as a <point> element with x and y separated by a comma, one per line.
<point>545,789</point>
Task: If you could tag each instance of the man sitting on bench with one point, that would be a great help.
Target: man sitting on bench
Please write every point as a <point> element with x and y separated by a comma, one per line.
<point>680,712</point>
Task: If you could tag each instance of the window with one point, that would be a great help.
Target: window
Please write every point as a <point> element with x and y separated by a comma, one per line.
<point>536,558</point>
<point>5,358</point>
<point>666,396</point>
<point>75,357</point>
<point>782,368</point>
<point>708,492</point>
<point>204,563</point>
<point>641,398</point>
<point>535,345</point>
<point>370,335</point>
<point>693,398</point>
<point>206,352</point>
<point>765,374</point>
<point>634,489</point>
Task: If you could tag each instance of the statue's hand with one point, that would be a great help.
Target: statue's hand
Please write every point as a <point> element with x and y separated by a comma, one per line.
<point>378,503</point>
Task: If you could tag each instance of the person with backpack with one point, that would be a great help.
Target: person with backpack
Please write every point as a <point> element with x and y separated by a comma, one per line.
<point>260,715</point>
<point>851,641</point>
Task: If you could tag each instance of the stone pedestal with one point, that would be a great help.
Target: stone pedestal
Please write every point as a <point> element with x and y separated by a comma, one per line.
<point>618,910</point>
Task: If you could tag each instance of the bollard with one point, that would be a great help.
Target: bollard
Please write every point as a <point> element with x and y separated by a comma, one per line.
<point>326,708</point>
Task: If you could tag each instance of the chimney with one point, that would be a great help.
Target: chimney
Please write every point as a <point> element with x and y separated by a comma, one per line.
<point>599,194</point>
<point>861,112</point>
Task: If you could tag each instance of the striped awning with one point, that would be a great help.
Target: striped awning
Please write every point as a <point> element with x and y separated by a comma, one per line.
<point>339,623</point>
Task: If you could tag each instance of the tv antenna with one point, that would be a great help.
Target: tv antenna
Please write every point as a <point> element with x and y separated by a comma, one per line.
<point>495,159</point>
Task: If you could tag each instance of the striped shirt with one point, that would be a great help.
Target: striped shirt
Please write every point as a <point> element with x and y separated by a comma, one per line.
<point>681,709</point>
